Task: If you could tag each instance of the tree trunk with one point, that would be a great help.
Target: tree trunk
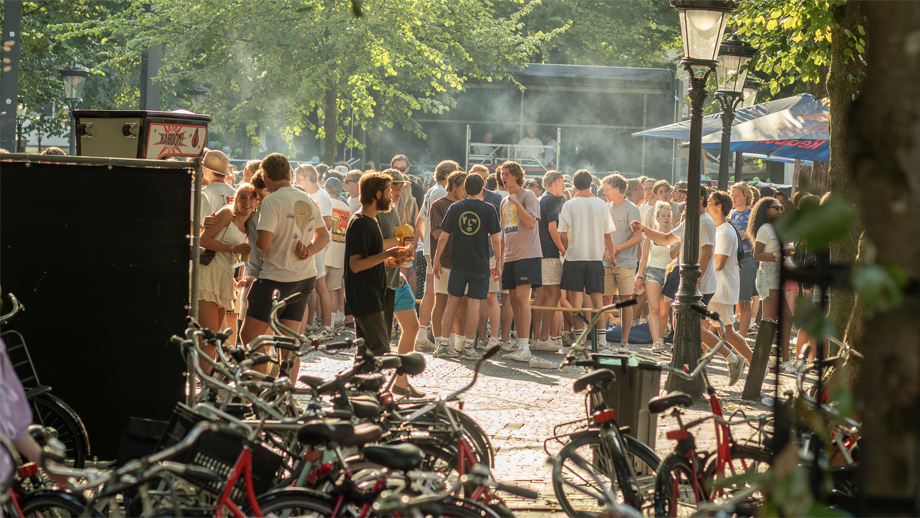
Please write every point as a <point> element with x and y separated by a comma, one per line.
<point>884,149</point>
<point>841,92</point>
<point>330,124</point>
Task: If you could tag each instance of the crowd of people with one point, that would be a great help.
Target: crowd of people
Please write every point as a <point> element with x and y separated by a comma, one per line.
<point>467,260</point>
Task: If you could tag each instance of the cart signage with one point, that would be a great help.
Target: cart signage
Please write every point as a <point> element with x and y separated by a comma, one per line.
<point>165,139</point>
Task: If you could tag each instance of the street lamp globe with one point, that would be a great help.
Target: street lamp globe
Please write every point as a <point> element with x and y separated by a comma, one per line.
<point>74,78</point>
<point>751,86</point>
<point>702,23</point>
<point>199,95</point>
<point>733,57</point>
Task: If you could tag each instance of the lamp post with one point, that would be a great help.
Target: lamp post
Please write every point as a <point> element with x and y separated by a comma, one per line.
<point>733,57</point>
<point>74,78</point>
<point>702,23</point>
<point>750,98</point>
<point>199,95</point>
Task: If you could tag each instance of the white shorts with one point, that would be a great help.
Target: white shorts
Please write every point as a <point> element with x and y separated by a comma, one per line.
<point>440,285</point>
<point>552,272</point>
<point>725,311</point>
<point>321,263</point>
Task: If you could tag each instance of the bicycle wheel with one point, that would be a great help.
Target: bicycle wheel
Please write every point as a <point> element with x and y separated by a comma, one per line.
<point>289,502</point>
<point>53,504</point>
<point>743,460</point>
<point>458,508</point>
<point>584,478</point>
<point>678,491</point>
<point>48,410</point>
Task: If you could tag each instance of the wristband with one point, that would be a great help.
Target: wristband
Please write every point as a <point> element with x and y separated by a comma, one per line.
<point>643,230</point>
<point>616,249</point>
<point>640,277</point>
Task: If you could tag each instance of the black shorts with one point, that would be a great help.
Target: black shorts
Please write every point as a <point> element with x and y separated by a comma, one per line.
<point>707,298</point>
<point>586,276</point>
<point>671,284</point>
<point>373,329</point>
<point>522,272</point>
<point>478,284</point>
<point>260,298</point>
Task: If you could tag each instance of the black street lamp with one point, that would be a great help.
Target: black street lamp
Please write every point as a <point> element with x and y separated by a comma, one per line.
<point>750,98</point>
<point>74,78</point>
<point>702,23</point>
<point>199,95</point>
<point>733,57</point>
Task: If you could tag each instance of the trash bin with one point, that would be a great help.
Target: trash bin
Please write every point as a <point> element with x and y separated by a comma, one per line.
<point>630,393</point>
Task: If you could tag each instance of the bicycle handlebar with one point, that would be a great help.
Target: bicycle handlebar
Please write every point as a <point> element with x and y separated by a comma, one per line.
<point>17,307</point>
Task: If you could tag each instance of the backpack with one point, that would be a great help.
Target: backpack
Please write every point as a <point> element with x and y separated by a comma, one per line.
<point>740,245</point>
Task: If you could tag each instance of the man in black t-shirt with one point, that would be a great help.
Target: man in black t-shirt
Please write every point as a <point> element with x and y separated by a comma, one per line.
<point>365,278</point>
<point>470,224</point>
<point>549,294</point>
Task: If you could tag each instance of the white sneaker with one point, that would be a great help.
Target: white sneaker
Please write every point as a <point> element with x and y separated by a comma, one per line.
<point>509,346</point>
<point>787,368</point>
<point>568,338</point>
<point>322,335</point>
<point>558,341</point>
<point>658,347</point>
<point>548,345</point>
<point>518,356</point>
<point>424,345</point>
<point>487,346</point>
<point>771,364</point>
<point>735,368</point>
<point>623,348</point>
<point>540,363</point>
<point>605,351</point>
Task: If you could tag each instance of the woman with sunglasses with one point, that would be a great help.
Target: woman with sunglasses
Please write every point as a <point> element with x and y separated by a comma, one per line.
<point>769,251</point>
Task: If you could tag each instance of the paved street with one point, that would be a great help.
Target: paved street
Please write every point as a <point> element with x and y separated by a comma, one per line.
<point>519,408</point>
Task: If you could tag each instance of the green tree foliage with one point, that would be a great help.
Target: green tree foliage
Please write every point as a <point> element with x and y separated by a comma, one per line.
<point>270,64</point>
<point>605,33</point>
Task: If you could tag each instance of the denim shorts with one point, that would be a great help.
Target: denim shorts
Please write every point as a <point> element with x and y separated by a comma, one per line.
<point>655,275</point>
<point>405,299</point>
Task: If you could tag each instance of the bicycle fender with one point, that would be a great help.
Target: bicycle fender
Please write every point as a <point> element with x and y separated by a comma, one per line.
<point>75,417</point>
<point>275,493</point>
<point>73,498</point>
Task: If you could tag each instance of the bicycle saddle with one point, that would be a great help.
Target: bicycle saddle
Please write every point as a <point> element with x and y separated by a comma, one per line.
<point>659,404</point>
<point>365,406</point>
<point>312,381</point>
<point>413,364</point>
<point>323,431</point>
<point>365,433</point>
<point>593,378</point>
<point>370,382</point>
<point>400,457</point>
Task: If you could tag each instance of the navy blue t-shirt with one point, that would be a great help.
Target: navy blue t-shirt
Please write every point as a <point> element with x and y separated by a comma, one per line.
<point>550,205</point>
<point>470,224</point>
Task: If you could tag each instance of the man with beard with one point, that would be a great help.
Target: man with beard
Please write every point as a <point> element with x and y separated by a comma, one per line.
<point>365,276</point>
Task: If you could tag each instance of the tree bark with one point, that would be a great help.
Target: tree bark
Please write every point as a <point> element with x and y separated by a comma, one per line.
<point>884,149</point>
<point>842,91</point>
<point>330,124</point>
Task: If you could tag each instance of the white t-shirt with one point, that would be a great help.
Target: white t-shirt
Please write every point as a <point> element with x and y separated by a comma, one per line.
<point>220,195</point>
<point>643,210</point>
<point>204,207</point>
<point>335,254</point>
<point>531,152</point>
<point>729,278</point>
<point>324,202</point>
<point>282,212</point>
<point>587,221</point>
<point>766,234</point>
<point>434,194</point>
<point>354,204</point>
<point>709,283</point>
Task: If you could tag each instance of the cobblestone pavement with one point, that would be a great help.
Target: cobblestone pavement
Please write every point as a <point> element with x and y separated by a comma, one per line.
<point>519,407</point>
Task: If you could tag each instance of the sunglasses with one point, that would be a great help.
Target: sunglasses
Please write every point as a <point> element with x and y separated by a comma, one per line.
<point>402,169</point>
<point>777,207</point>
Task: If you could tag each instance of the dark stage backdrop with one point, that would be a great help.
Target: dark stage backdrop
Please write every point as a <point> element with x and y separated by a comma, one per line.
<point>100,259</point>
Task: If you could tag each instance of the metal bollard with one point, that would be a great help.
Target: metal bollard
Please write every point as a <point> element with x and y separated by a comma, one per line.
<point>758,369</point>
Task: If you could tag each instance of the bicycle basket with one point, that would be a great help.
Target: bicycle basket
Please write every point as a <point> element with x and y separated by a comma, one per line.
<point>219,452</point>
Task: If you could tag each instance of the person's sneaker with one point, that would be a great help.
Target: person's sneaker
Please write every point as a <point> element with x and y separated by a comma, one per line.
<point>323,335</point>
<point>735,368</point>
<point>787,368</point>
<point>541,345</point>
<point>604,351</point>
<point>623,348</point>
<point>469,353</point>
<point>539,363</point>
<point>771,364</point>
<point>407,392</point>
<point>558,341</point>
<point>424,345</point>
<point>568,338</point>
<point>509,347</point>
<point>658,347</point>
<point>518,356</point>
<point>669,338</point>
<point>446,351</point>
<point>487,346</point>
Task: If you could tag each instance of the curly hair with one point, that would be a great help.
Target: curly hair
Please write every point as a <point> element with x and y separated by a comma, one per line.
<point>516,171</point>
<point>760,214</point>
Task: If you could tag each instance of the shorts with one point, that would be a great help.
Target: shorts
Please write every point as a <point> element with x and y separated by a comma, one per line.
<point>768,279</point>
<point>551,272</point>
<point>522,272</point>
<point>373,329</point>
<point>726,311</point>
<point>321,263</point>
<point>748,277</point>
<point>651,275</point>
<point>587,276</point>
<point>334,277</point>
<point>440,283</point>
<point>259,298</point>
<point>405,299</point>
<point>473,285</point>
<point>671,284</point>
<point>619,281</point>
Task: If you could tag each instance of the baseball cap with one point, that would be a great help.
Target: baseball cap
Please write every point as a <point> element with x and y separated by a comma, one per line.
<point>334,184</point>
<point>396,176</point>
<point>681,186</point>
<point>342,169</point>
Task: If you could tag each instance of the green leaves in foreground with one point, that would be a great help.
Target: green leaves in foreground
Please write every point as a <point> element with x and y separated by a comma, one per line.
<point>817,226</point>
<point>880,286</point>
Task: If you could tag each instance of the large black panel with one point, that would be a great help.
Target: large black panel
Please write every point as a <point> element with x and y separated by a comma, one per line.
<point>100,259</point>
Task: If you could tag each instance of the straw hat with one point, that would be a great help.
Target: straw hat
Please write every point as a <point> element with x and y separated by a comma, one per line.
<point>216,162</point>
